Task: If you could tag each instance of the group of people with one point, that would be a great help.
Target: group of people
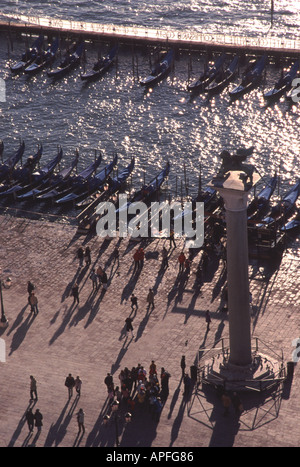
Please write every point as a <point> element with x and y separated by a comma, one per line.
<point>139,386</point>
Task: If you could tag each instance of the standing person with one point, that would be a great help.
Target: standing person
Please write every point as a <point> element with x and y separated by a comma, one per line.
<point>181,261</point>
<point>164,381</point>
<point>183,365</point>
<point>30,289</point>
<point>77,385</point>
<point>70,383</point>
<point>80,256</point>
<point>38,417</point>
<point>150,299</point>
<point>134,302</point>
<point>87,256</point>
<point>165,262</point>
<point>33,389</point>
<point>30,419</point>
<point>187,385</point>
<point>94,279</point>
<point>80,421</point>
<point>207,319</point>
<point>129,327</point>
<point>141,257</point>
<point>172,239</point>
<point>104,280</point>
<point>99,273</point>
<point>108,381</point>
<point>33,303</point>
<point>75,293</point>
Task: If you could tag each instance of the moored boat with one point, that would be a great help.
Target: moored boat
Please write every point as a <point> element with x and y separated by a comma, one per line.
<point>28,56</point>
<point>283,84</point>
<point>251,78</point>
<point>260,203</point>
<point>208,75</point>
<point>101,66</point>
<point>222,79</point>
<point>44,59</point>
<point>69,63</point>
<point>160,70</point>
<point>7,167</point>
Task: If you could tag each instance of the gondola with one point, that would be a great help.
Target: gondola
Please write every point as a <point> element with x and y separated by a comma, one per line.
<point>70,62</point>
<point>76,181</point>
<point>45,59</point>
<point>260,203</point>
<point>35,178</point>
<point>283,84</point>
<point>7,167</point>
<point>160,70</point>
<point>53,181</point>
<point>284,209</point>
<point>222,79</point>
<point>293,224</point>
<point>208,75</point>
<point>110,188</point>
<point>146,193</point>
<point>22,174</point>
<point>251,78</point>
<point>101,66</point>
<point>90,186</point>
<point>29,56</point>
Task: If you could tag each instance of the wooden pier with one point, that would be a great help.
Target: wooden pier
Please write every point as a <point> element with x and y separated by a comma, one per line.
<point>184,40</point>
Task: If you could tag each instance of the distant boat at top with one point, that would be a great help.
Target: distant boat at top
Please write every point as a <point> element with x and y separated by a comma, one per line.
<point>160,70</point>
<point>71,60</point>
<point>44,59</point>
<point>29,56</point>
<point>101,66</point>
<point>284,83</point>
<point>223,78</point>
<point>251,78</point>
<point>208,75</point>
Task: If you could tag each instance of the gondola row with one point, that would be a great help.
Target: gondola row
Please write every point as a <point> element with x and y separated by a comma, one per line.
<point>213,80</point>
<point>88,190</point>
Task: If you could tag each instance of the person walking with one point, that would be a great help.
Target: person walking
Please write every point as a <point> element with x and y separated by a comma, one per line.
<point>183,365</point>
<point>38,417</point>
<point>129,327</point>
<point>30,289</point>
<point>181,261</point>
<point>165,261</point>
<point>164,381</point>
<point>207,319</point>
<point>172,239</point>
<point>108,381</point>
<point>70,383</point>
<point>150,299</point>
<point>34,304</point>
<point>77,385</point>
<point>75,293</point>
<point>136,260</point>
<point>134,302</point>
<point>94,279</point>
<point>80,421</point>
<point>141,257</point>
<point>87,256</point>
<point>104,280</point>
<point>30,419</point>
<point>80,256</point>
<point>33,389</point>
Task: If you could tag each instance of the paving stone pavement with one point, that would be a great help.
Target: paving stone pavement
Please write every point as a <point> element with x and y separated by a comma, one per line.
<point>89,340</point>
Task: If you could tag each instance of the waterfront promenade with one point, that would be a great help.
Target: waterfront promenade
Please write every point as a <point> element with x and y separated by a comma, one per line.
<point>89,341</point>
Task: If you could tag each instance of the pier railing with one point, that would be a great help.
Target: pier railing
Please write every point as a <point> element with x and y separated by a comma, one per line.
<point>183,38</point>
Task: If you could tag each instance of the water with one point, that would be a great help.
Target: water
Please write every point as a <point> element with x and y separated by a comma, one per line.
<point>115,115</point>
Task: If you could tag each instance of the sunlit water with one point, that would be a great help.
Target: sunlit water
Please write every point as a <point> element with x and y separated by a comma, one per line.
<point>116,115</point>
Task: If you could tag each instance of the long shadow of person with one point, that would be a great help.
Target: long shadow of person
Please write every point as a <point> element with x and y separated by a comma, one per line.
<point>18,320</point>
<point>21,424</point>
<point>21,332</point>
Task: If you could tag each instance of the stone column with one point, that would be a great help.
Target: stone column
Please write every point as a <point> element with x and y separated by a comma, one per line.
<point>237,277</point>
<point>235,193</point>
